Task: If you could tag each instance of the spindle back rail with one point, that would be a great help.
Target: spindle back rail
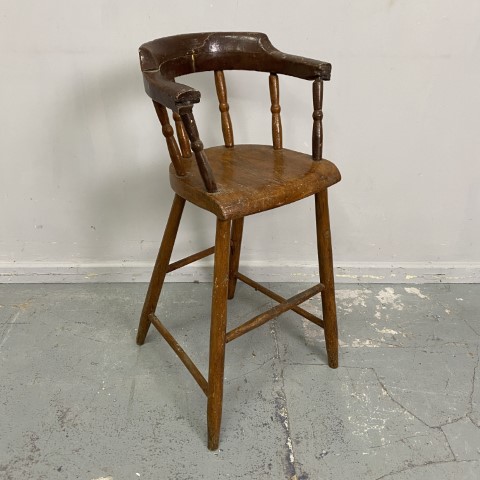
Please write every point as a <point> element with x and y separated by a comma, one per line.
<point>163,61</point>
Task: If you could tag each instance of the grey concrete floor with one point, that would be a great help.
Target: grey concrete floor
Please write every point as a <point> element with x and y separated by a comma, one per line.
<point>79,400</point>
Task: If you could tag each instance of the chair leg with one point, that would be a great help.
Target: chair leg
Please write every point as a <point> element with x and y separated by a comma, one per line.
<point>218,332</point>
<point>235,246</point>
<point>160,269</point>
<point>325,260</point>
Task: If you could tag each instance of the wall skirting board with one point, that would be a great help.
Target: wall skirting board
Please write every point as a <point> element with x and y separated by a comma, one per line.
<point>344,272</point>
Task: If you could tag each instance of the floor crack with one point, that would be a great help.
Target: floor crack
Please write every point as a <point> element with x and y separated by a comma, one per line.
<point>7,330</point>
<point>281,409</point>
<point>454,457</point>
<point>258,367</point>
<point>439,428</point>
<point>426,464</point>
<point>472,391</point>
<point>471,328</point>
<point>384,388</point>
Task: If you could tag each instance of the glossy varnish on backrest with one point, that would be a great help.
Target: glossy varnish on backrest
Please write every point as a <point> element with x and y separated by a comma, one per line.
<point>199,52</point>
<point>165,59</point>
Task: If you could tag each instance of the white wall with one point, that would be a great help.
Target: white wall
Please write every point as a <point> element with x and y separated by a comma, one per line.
<point>84,187</point>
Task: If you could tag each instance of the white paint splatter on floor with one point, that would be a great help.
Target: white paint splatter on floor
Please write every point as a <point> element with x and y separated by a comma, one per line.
<point>357,343</point>
<point>415,291</point>
<point>348,299</point>
<point>387,330</point>
<point>388,298</point>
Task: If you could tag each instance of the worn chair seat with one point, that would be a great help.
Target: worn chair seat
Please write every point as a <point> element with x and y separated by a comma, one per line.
<point>268,178</point>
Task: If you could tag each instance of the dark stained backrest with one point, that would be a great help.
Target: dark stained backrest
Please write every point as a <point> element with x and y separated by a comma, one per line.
<point>165,59</point>
<point>200,52</point>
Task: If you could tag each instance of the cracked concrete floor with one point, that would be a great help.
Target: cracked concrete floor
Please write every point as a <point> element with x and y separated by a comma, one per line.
<point>79,400</point>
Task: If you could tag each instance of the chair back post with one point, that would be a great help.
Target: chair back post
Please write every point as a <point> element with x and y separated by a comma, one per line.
<point>317,133</point>
<point>172,145</point>
<point>206,173</point>
<point>275,109</point>
<point>224,108</point>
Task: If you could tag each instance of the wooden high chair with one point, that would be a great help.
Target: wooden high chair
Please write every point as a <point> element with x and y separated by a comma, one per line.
<point>234,181</point>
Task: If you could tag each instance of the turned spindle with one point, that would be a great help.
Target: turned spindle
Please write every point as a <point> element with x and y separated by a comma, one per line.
<point>197,147</point>
<point>317,133</point>
<point>275,109</point>
<point>224,108</point>
<point>172,145</point>
<point>182,136</point>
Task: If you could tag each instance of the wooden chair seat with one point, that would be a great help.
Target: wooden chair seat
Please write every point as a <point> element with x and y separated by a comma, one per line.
<point>268,178</point>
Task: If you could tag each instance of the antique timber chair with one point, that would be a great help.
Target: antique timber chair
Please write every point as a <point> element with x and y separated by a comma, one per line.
<point>234,181</point>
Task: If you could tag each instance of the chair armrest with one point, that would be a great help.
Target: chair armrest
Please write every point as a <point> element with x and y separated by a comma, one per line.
<point>169,93</point>
<point>300,67</point>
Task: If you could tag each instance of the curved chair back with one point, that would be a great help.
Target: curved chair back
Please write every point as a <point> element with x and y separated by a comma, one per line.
<point>165,59</point>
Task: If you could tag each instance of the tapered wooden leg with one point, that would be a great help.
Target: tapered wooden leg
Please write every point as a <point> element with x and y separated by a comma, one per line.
<point>325,260</point>
<point>160,269</point>
<point>218,332</point>
<point>235,246</point>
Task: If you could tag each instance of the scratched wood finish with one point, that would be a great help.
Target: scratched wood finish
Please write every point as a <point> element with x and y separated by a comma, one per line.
<point>197,147</point>
<point>275,109</point>
<point>224,108</point>
<point>218,332</point>
<point>325,261</point>
<point>165,59</point>
<point>234,181</point>
<point>161,266</point>
<point>254,178</point>
<point>317,133</point>
<point>172,145</point>
<point>182,136</point>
